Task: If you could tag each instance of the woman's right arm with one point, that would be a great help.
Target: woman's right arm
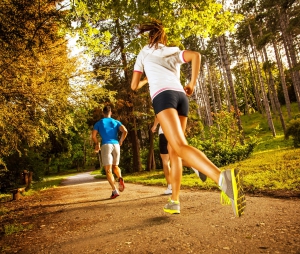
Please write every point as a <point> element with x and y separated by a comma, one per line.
<point>136,82</point>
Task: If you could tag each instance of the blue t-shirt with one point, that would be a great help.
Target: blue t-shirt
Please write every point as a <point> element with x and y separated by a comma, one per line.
<point>108,129</point>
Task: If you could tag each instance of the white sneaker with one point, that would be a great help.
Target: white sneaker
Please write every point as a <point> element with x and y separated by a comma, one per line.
<point>168,191</point>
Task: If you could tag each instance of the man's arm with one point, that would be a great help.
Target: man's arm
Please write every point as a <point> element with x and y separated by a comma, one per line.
<point>95,140</point>
<point>124,134</point>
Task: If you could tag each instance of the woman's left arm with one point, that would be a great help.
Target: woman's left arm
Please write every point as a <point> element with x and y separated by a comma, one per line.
<point>195,58</point>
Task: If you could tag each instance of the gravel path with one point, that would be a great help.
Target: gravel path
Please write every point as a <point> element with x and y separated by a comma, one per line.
<point>79,217</point>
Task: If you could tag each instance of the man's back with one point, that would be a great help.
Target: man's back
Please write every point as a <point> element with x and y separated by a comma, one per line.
<point>108,129</point>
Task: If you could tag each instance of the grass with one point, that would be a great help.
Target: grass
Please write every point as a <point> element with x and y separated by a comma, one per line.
<point>274,165</point>
<point>10,229</point>
<point>265,171</point>
<point>48,182</point>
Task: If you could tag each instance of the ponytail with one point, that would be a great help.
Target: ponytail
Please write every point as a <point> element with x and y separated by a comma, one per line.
<point>156,33</point>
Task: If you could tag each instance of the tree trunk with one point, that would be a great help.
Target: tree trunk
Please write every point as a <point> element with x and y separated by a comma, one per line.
<point>221,40</point>
<point>282,77</point>
<point>267,80</point>
<point>223,73</point>
<point>290,51</point>
<point>255,85</point>
<point>137,165</point>
<point>206,100</point>
<point>197,96</point>
<point>265,99</point>
<point>151,161</point>
<point>271,96</point>
<point>215,81</point>
<point>244,87</point>
<point>274,92</point>
<point>211,88</point>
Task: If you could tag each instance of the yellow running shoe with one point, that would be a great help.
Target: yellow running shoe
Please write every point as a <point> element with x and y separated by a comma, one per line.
<point>232,191</point>
<point>172,207</point>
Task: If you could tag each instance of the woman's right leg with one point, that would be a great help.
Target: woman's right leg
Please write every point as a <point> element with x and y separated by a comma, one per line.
<point>171,125</point>
<point>229,182</point>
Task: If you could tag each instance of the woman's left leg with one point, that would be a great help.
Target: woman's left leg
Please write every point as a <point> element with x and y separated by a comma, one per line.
<point>178,124</point>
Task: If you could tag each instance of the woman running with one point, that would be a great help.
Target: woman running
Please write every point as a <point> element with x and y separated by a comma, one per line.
<point>161,65</point>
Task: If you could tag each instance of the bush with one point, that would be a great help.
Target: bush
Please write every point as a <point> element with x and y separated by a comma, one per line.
<point>224,143</point>
<point>293,129</point>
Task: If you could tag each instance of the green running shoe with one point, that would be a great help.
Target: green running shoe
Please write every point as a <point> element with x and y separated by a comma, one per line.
<point>232,191</point>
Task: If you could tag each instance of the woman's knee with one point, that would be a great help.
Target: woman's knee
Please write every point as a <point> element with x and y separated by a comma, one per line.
<point>176,148</point>
<point>181,150</point>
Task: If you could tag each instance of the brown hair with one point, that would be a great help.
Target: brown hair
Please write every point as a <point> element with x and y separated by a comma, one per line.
<point>106,110</point>
<point>156,33</point>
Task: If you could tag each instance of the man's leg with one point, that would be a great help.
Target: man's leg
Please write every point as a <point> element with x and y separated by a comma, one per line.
<point>109,176</point>
<point>111,181</point>
<point>117,172</point>
<point>116,169</point>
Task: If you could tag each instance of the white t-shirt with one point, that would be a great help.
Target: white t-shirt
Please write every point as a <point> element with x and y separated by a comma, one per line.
<point>162,68</point>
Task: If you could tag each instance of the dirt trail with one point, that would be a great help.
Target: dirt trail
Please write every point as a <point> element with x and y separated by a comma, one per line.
<point>79,217</point>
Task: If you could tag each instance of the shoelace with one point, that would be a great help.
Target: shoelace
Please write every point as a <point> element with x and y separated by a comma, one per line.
<point>225,200</point>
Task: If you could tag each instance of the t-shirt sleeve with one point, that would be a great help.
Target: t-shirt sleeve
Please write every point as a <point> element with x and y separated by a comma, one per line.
<point>181,56</point>
<point>138,66</point>
<point>96,127</point>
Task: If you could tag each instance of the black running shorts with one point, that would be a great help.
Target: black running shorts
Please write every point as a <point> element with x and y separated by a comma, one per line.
<point>171,99</point>
<point>163,144</point>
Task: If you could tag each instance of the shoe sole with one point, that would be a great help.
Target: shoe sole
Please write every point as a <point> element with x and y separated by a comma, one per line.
<point>171,211</point>
<point>239,204</point>
<point>114,196</point>
<point>121,185</point>
<point>202,177</point>
<point>167,192</point>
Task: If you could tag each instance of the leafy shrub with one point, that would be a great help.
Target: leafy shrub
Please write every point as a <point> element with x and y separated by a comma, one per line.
<point>293,129</point>
<point>224,143</point>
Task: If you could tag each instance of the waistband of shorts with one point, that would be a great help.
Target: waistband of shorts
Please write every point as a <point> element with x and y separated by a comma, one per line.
<point>166,89</point>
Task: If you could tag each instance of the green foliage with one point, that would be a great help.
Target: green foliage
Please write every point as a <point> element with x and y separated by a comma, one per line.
<point>46,183</point>
<point>222,144</point>
<point>265,171</point>
<point>3,211</point>
<point>293,129</point>
<point>269,143</point>
<point>46,95</point>
<point>277,169</point>
<point>180,18</point>
<point>10,229</point>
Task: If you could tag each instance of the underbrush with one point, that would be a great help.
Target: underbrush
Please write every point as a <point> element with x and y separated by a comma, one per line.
<point>36,186</point>
<point>264,171</point>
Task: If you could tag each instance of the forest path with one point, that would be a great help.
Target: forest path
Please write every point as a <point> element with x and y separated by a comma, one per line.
<point>79,217</point>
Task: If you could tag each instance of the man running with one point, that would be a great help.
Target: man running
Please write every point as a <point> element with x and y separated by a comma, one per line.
<point>108,129</point>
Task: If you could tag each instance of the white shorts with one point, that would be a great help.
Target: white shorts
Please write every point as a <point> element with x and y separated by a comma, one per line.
<point>110,154</point>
